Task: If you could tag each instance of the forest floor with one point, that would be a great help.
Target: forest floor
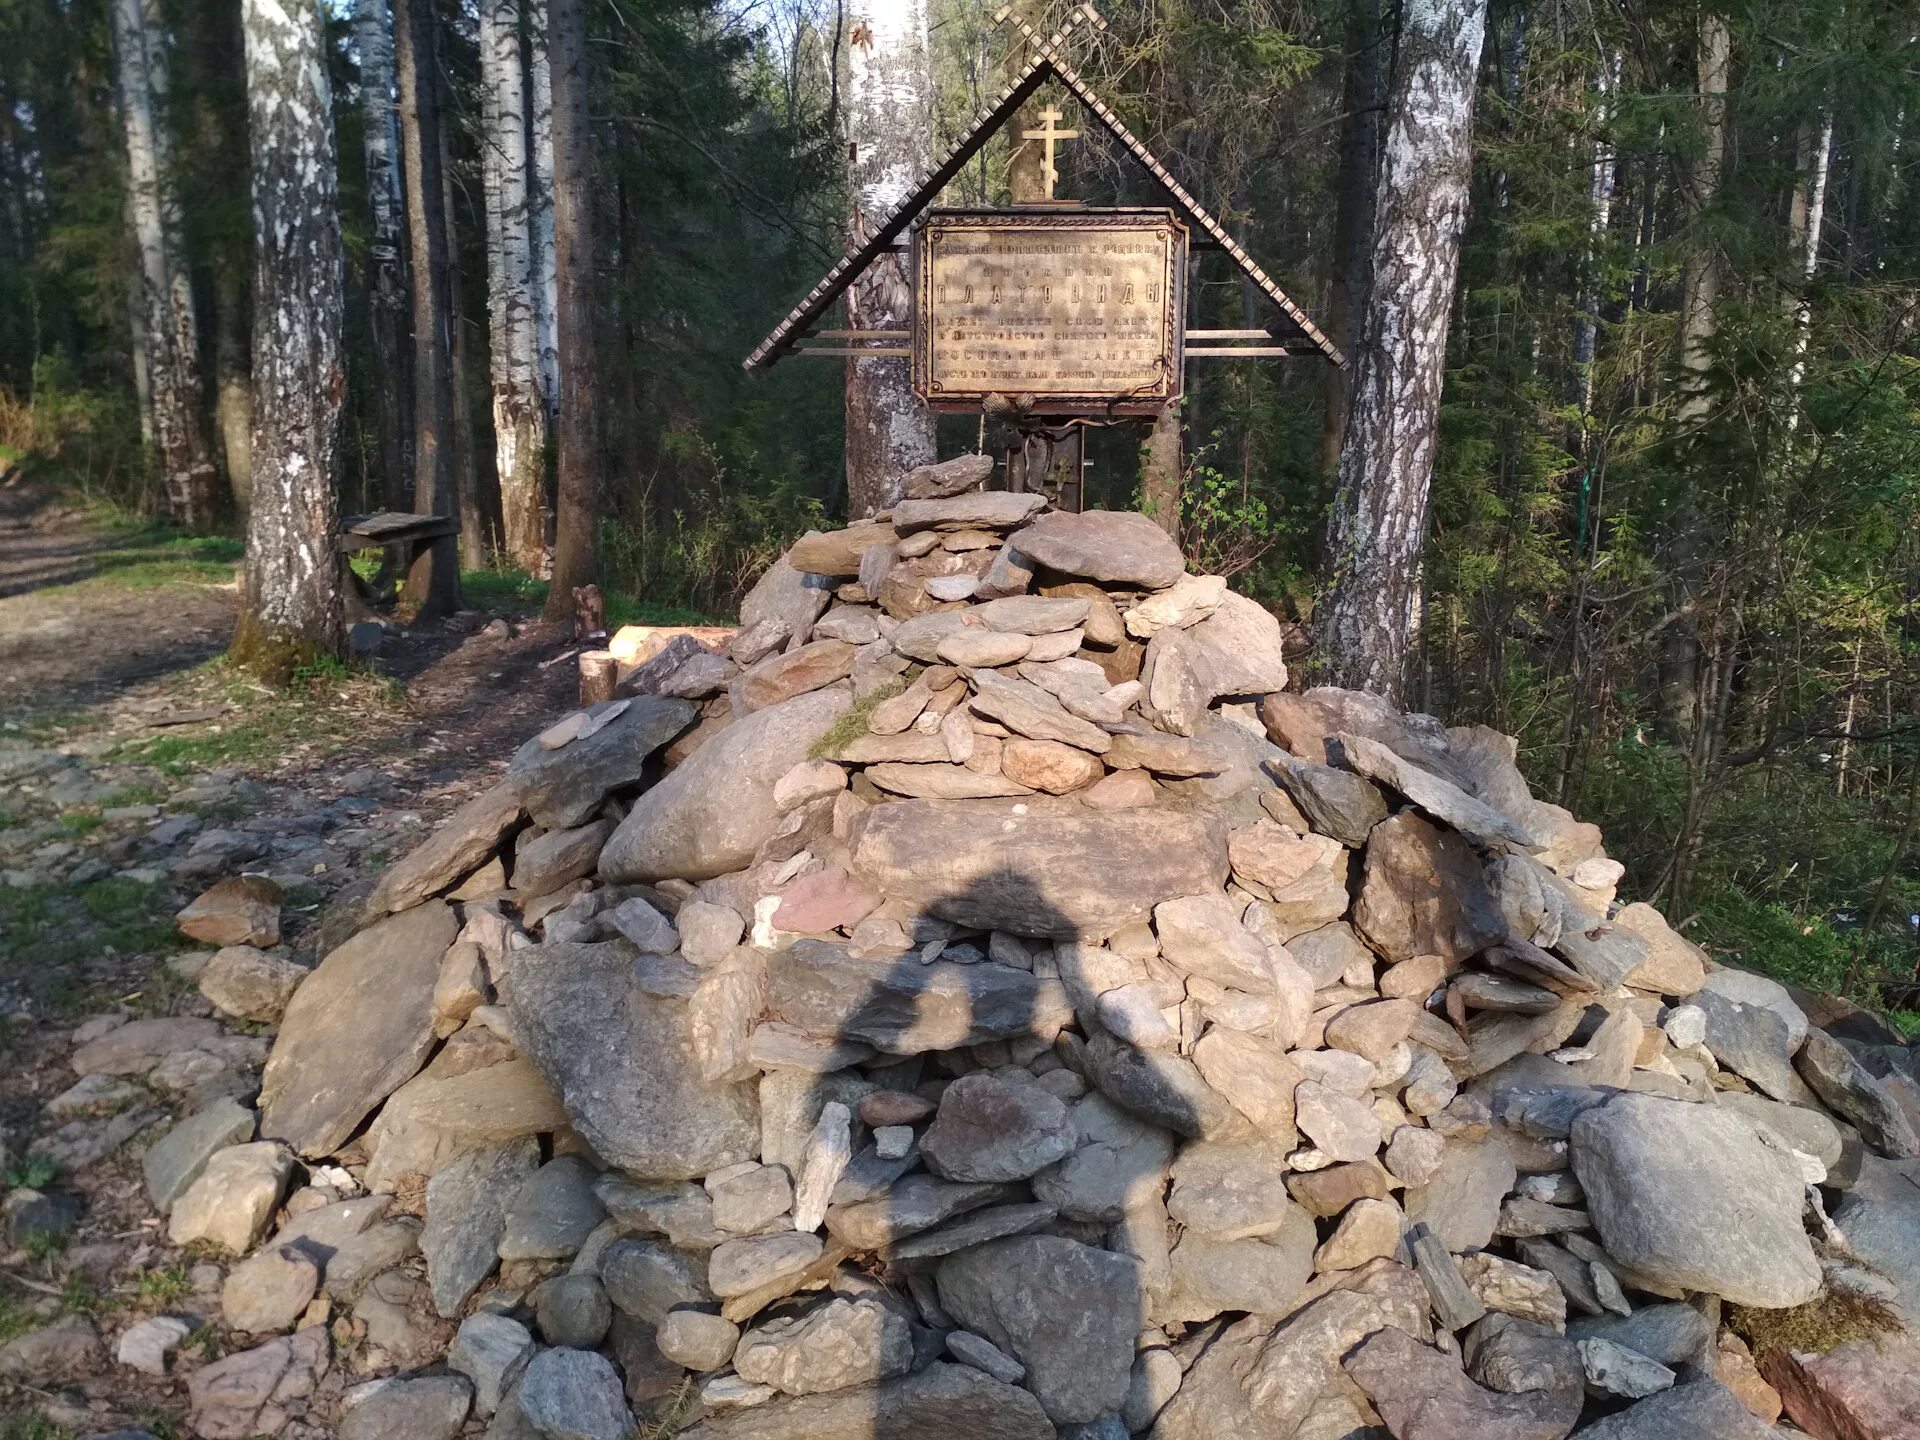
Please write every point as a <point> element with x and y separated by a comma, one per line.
<point>135,770</point>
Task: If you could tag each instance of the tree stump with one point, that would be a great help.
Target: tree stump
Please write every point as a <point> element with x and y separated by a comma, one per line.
<point>599,674</point>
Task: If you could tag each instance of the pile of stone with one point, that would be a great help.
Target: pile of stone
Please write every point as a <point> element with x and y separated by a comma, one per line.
<point>979,1002</point>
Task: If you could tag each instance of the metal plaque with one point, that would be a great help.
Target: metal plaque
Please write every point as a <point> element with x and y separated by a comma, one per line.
<point>1078,312</point>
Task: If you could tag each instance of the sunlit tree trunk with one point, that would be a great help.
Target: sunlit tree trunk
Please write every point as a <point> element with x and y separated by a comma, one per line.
<point>291,613</point>
<point>519,412</point>
<point>1370,611</point>
<point>575,551</point>
<point>386,242</point>
<point>889,114</point>
<point>169,330</point>
<point>546,278</point>
<point>1805,222</point>
<point>1586,328</point>
<point>434,584</point>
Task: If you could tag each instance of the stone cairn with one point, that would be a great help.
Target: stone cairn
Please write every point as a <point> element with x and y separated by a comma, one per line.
<point>980,1003</point>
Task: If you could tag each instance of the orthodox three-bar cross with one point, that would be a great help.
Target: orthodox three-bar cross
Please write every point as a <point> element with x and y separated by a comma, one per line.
<point>1049,136</point>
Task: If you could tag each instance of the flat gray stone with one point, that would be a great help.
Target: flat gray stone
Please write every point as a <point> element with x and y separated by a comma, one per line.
<point>739,1266</point>
<point>459,845</point>
<point>426,1407</point>
<point>1701,1409</point>
<point>905,1007</point>
<point>1266,1272</point>
<point>646,1279</point>
<point>1117,546</point>
<point>953,1402</point>
<point>175,1160</point>
<point>1880,1217</point>
<point>624,1063</point>
<point>1037,867</point>
<point>1118,1163</point>
<point>356,1031</point>
<point>574,1395</point>
<point>1166,1090</point>
<point>1750,1040</point>
<point>990,1129</point>
<point>996,1222</point>
<point>269,1290</point>
<point>1851,1091</point>
<point>1480,822</point>
<point>1337,802</point>
<point>562,788</point>
<point>491,1351</point>
<point>1696,1197</point>
<point>1418,1390</point>
<point>832,1346</point>
<point>553,1213</point>
<point>1461,1201</point>
<point>912,1204</point>
<point>466,1213</point>
<point>1066,1311</point>
<point>710,814</point>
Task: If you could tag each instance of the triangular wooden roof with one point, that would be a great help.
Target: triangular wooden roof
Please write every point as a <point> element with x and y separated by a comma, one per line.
<point>1046,64</point>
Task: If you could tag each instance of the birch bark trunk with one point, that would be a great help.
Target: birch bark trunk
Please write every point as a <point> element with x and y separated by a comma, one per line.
<point>519,413</point>
<point>169,329</point>
<point>575,551</point>
<point>1702,282</point>
<point>1600,179</point>
<point>291,613</point>
<point>434,583</point>
<point>1371,608</point>
<point>386,239</point>
<point>546,278</point>
<point>1805,222</point>
<point>889,146</point>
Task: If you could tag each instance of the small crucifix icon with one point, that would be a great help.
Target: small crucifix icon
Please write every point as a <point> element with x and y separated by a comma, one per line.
<point>1050,136</point>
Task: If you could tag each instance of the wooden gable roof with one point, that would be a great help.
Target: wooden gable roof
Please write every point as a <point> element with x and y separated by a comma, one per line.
<point>1045,64</point>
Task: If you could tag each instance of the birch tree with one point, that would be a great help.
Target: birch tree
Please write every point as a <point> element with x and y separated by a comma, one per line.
<point>292,607</point>
<point>546,278</point>
<point>386,241</point>
<point>167,337</point>
<point>575,549</point>
<point>889,118</point>
<point>519,412</point>
<point>1371,607</point>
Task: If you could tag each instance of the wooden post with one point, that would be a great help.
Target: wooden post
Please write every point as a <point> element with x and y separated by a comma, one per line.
<point>599,674</point>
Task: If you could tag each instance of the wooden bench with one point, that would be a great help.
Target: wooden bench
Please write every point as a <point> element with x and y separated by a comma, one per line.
<point>401,536</point>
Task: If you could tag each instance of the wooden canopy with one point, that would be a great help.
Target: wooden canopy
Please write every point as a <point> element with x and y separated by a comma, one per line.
<point>1293,328</point>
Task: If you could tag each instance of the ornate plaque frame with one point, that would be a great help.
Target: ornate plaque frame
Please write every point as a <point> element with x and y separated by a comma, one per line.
<point>1127,357</point>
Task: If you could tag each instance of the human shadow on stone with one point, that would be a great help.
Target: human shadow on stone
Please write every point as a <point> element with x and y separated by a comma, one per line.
<point>1000,1168</point>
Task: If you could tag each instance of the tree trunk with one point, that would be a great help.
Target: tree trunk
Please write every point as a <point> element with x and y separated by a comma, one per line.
<point>519,412</point>
<point>434,582</point>
<point>1586,328</point>
<point>575,551</point>
<point>386,239</point>
<point>1697,320</point>
<point>475,503</point>
<point>169,327</point>
<point>1363,102</point>
<point>233,399</point>
<point>546,279</point>
<point>1807,220</point>
<point>1378,526</point>
<point>1162,469</point>
<point>1681,655</point>
<point>291,613</point>
<point>889,147</point>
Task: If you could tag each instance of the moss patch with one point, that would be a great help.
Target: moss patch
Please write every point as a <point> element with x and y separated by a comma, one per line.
<point>1824,1323</point>
<point>852,725</point>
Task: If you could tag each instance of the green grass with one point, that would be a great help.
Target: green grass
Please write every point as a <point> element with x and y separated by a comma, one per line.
<point>49,932</point>
<point>30,1425</point>
<point>519,593</point>
<point>163,1286</point>
<point>153,557</point>
<point>16,1318</point>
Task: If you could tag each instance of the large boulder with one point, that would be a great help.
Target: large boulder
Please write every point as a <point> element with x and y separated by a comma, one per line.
<point>1697,1198</point>
<point>562,788</point>
<point>623,1062</point>
<point>1035,867</point>
<point>355,1031</point>
<point>1117,546</point>
<point>710,815</point>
